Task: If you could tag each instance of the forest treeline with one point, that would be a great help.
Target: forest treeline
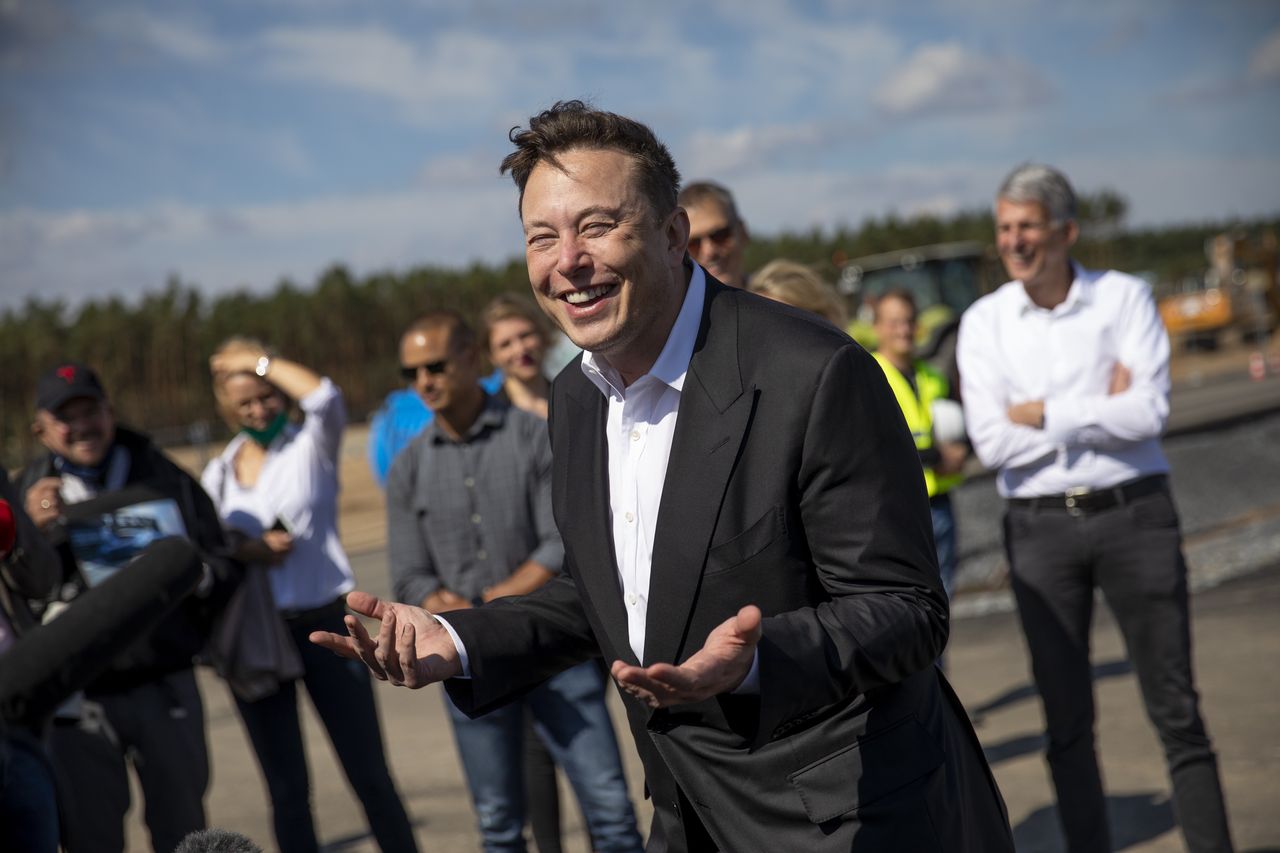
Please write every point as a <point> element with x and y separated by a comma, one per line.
<point>152,352</point>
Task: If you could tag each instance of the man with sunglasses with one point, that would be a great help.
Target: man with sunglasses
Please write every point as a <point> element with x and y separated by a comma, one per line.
<point>402,416</point>
<point>717,235</point>
<point>468,521</point>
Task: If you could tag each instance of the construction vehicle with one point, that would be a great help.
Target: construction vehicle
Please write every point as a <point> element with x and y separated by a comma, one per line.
<point>1237,294</point>
<point>944,279</point>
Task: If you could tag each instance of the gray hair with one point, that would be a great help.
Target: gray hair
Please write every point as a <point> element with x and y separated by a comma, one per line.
<point>700,192</point>
<point>1044,185</point>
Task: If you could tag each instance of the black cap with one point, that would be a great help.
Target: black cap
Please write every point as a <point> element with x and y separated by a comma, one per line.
<point>67,381</point>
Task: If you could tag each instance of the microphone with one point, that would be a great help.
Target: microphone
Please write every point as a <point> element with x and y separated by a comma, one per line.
<point>8,529</point>
<point>51,662</point>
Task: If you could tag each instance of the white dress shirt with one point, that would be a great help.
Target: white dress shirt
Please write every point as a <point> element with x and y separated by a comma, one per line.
<point>1012,351</point>
<point>298,485</point>
<point>639,429</point>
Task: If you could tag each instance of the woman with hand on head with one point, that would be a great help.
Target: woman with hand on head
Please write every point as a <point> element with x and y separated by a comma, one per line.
<point>276,489</point>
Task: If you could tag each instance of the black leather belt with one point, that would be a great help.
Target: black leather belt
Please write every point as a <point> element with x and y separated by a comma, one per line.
<point>1086,501</point>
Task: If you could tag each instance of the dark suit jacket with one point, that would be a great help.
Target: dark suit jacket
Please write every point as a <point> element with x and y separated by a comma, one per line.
<point>793,484</point>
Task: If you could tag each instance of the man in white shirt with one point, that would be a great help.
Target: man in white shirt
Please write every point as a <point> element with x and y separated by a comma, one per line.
<point>1065,380</point>
<point>747,539</point>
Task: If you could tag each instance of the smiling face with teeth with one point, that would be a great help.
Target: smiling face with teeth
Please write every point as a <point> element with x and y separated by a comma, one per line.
<point>604,266</point>
<point>1035,250</point>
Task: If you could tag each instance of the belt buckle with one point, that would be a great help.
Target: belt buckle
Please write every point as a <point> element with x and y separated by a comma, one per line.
<point>1073,500</point>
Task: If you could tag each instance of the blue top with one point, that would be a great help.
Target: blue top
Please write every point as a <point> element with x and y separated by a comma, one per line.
<point>402,416</point>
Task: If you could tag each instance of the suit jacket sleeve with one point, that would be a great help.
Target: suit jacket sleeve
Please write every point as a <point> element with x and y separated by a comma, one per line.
<point>866,519</point>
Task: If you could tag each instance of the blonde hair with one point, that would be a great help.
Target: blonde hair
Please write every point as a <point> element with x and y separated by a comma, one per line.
<point>512,306</point>
<point>238,344</point>
<point>797,285</point>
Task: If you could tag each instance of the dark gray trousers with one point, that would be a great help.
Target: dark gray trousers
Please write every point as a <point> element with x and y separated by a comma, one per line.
<point>1133,553</point>
<point>158,728</point>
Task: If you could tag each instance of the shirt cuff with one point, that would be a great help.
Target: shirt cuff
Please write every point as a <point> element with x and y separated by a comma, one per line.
<point>750,685</point>
<point>457,644</point>
<point>1063,418</point>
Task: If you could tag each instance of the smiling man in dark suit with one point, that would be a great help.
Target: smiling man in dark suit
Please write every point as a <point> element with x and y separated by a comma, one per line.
<point>747,539</point>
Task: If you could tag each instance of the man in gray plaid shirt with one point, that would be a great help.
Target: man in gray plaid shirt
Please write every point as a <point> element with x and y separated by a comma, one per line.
<point>469,520</point>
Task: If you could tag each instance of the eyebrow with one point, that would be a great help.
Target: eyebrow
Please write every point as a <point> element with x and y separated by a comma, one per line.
<point>595,209</point>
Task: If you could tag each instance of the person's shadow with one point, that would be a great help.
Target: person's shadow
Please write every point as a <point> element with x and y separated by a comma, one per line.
<point>1134,819</point>
<point>1107,669</point>
<point>1020,745</point>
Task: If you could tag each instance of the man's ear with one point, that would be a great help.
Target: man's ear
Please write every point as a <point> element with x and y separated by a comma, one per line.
<point>1072,231</point>
<point>677,234</point>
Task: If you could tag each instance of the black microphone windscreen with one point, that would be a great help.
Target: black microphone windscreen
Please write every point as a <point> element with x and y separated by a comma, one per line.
<point>51,662</point>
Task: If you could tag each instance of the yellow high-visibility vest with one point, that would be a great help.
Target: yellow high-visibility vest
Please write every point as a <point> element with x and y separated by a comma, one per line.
<point>932,386</point>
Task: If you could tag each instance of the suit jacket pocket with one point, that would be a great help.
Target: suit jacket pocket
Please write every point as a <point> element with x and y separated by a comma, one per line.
<point>762,533</point>
<point>875,766</point>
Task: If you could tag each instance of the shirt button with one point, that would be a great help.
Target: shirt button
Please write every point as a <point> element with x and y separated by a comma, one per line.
<point>635,435</point>
<point>470,482</point>
<point>482,555</point>
<point>632,598</point>
<point>630,517</point>
<point>475,519</point>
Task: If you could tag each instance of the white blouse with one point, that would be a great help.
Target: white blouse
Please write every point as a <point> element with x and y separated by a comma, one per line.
<point>298,486</point>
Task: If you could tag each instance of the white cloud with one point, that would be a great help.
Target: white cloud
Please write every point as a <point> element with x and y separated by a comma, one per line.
<point>1265,62</point>
<point>450,73</point>
<point>749,148</point>
<point>947,78</point>
<point>83,254</point>
<point>161,31</point>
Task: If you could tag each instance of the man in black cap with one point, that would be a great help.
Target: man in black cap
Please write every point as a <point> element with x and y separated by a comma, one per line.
<point>99,494</point>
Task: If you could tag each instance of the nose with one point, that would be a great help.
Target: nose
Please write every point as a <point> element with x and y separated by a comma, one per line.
<point>573,256</point>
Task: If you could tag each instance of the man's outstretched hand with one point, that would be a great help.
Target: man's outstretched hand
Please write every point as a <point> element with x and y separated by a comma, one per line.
<point>718,667</point>
<point>411,649</point>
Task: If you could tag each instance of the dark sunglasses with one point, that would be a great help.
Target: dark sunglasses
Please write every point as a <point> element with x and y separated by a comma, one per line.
<point>720,236</point>
<point>435,368</point>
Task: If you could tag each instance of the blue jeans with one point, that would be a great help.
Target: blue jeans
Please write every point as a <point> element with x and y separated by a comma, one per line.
<point>342,694</point>
<point>570,716</point>
<point>944,537</point>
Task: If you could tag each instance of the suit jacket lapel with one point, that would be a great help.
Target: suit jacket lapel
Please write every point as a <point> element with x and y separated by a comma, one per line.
<point>714,412</point>
<point>587,501</point>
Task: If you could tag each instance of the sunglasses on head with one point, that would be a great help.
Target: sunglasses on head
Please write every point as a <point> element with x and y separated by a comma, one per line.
<point>435,368</point>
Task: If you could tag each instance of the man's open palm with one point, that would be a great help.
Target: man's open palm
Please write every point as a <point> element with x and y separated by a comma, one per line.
<point>718,667</point>
<point>412,649</point>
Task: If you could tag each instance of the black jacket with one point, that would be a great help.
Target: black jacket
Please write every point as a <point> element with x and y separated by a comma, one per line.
<point>793,484</point>
<point>178,641</point>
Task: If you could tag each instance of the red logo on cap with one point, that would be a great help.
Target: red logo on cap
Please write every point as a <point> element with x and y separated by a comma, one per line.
<point>67,373</point>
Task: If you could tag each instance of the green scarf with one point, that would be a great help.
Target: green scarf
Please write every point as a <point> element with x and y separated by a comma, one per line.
<point>265,436</point>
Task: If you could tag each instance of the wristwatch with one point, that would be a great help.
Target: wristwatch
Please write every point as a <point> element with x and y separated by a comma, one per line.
<point>263,365</point>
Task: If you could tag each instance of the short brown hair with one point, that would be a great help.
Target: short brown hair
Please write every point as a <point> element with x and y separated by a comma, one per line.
<point>700,192</point>
<point>900,294</point>
<point>507,306</point>
<point>461,335</point>
<point>570,125</point>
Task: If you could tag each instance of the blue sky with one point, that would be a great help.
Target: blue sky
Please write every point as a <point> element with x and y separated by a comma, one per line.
<point>238,142</point>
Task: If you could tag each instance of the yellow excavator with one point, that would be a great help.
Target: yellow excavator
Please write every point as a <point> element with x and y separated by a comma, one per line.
<point>1237,294</point>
